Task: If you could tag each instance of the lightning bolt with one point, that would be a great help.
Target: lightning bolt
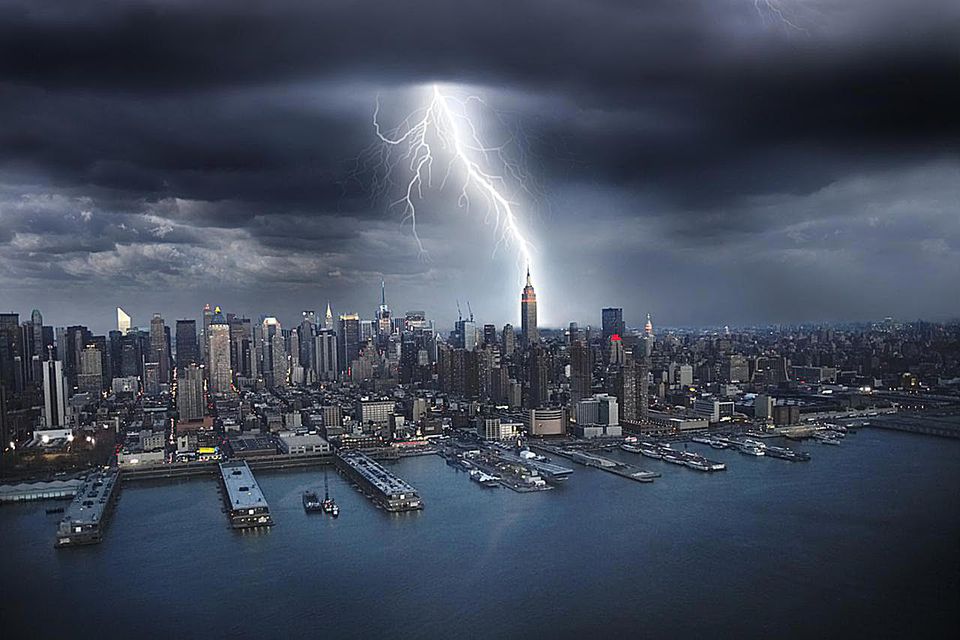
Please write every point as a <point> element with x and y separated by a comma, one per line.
<point>768,8</point>
<point>444,125</point>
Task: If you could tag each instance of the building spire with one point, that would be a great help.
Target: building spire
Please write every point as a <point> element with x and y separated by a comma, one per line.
<point>529,282</point>
<point>383,293</point>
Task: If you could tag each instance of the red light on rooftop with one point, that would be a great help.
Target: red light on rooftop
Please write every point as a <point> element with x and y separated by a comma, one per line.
<point>615,337</point>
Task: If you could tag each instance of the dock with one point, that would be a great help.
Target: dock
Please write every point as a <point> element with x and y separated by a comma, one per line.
<point>49,490</point>
<point>385,489</point>
<point>246,506</point>
<point>88,514</point>
<point>615,467</point>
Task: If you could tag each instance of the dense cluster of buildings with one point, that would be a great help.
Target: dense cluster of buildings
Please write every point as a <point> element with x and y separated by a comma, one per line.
<point>229,384</point>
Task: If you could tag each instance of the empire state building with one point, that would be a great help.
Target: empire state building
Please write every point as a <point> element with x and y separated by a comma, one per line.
<point>528,313</point>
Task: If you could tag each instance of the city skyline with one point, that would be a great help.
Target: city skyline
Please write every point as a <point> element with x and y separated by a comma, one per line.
<point>699,162</point>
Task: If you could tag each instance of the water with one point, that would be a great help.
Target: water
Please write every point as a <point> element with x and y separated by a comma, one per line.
<point>864,540</point>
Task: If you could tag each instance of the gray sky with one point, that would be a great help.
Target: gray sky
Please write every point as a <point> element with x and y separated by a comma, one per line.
<point>700,160</point>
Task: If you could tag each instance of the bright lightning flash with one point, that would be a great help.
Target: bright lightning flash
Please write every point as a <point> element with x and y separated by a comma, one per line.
<point>773,9</point>
<point>444,126</point>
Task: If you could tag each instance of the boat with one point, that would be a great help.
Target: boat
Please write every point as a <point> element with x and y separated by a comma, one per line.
<point>673,457</point>
<point>329,505</point>
<point>751,448</point>
<point>785,453</point>
<point>55,510</point>
<point>719,444</point>
<point>702,439</point>
<point>630,448</point>
<point>650,452</point>
<point>311,503</point>
<point>824,438</point>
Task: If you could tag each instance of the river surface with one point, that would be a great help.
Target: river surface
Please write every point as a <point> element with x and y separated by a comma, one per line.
<point>862,541</point>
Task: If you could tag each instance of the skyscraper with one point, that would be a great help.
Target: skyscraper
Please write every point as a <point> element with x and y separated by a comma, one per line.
<point>508,338</point>
<point>218,358</point>
<point>384,327</point>
<point>611,323</point>
<point>90,377</point>
<point>581,371</point>
<point>528,313</point>
<point>159,348</point>
<point>326,354</point>
<point>54,394</point>
<point>328,319</point>
<point>187,350</point>
<point>349,339</point>
<point>190,403</point>
<point>123,321</point>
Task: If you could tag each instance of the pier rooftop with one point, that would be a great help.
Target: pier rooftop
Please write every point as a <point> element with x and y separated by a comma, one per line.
<point>242,488</point>
<point>385,482</point>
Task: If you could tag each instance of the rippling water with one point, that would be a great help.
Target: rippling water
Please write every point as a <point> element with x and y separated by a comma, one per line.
<point>864,540</point>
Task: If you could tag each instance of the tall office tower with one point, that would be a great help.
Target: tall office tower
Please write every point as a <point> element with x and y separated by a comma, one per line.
<point>77,338</point>
<point>205,338</point>
<point>328,319</point>
<point>327,354</point>
<point>123,321</point>
<point>384,326</point>
<point>528,313</point>
<point>616,354</point>
<point>307,331</point>
<point>39,348</point>
<point>271,352</point>
<point>151,378</point>
<point>408,357</point>
<point>115,347</point>
<point>581,371</point>
<point>611,323</point>
<point>627,388</point>
<point>11,352</point>
<point>190,403</point>
<point>643,375</point>
<point>490,335</point>
<point>131,357</point>
<point>90,378</point>
<point>218,359</point>
<point>349,339</point>
<point>466,335</point>
<point>54,394</point>
<point>575,334</point>
<point>538,371</point>
<point>159,348</point>
<point>188,352</point>
<point>509,340</point>
<point>243,360</point>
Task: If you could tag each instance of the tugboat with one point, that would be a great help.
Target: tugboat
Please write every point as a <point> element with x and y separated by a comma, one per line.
<point>329,504</point>
<point>311,503</point>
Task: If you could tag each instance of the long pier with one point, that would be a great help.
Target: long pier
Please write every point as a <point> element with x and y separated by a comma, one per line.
<point>615,467</point>
<point>385,489</point>
<point>176,470</point>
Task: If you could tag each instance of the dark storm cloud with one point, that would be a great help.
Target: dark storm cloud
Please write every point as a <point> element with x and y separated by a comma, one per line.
<point>152,144</point>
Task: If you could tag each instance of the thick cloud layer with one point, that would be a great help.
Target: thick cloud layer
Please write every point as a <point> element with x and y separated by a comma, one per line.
<point>707,161</point>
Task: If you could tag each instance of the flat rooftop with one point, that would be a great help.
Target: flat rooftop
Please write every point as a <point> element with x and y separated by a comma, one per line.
<point>242,487</point>
<point>378,476</point>
<point>91,500</point>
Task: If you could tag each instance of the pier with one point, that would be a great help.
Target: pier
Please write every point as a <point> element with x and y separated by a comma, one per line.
<point>88,514</point>
<point>246,506</point>
<point>51,490</point>
<point>615,467</point>
<point>385,489</point>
